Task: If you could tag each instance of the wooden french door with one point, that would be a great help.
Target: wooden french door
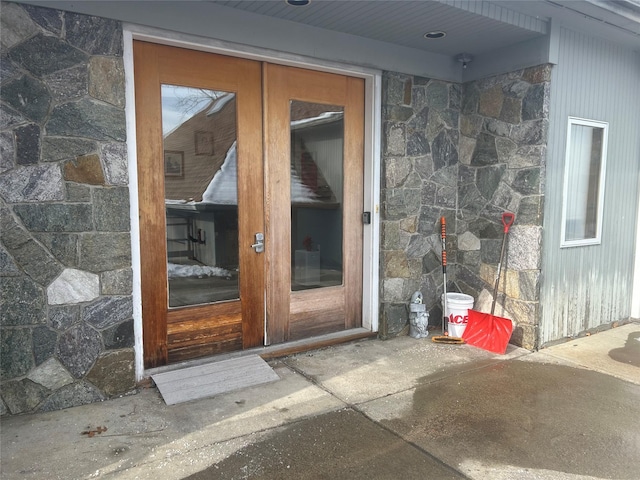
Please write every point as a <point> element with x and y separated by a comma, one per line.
<point>299,108</point>
<point>246,172</point>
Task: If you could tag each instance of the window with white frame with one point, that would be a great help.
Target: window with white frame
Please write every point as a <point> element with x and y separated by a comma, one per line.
<point>583,195</point>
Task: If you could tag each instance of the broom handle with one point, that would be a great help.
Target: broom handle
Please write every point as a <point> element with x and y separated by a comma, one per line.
<point>443,237</point>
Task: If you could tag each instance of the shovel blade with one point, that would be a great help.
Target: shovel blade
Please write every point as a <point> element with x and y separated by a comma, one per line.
<point>488,332</point>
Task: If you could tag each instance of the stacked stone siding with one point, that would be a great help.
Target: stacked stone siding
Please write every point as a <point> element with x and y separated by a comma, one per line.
<point>468,153</point>
<point>65,254</point>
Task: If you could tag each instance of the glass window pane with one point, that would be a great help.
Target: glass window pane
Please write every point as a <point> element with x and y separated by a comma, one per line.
<point>584,174</point>
<point>201,198</point>
<point>317,139</point>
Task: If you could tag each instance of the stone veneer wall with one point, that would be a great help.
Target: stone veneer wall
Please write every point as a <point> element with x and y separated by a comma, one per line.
<point>469,153</point>
<point>65,254</point>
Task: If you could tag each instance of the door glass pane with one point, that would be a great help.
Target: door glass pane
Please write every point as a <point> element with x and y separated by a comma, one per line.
<point>201,196</point>
<point>317,139</point>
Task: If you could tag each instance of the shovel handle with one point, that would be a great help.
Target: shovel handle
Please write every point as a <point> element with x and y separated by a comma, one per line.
<point>507,220</point>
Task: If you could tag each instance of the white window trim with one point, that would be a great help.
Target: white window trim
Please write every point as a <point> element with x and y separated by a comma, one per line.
<point>597,240</point>
<point>372,142</point>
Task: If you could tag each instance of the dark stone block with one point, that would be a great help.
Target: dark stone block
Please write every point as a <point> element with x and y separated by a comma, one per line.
<point>94,35</point>
<point>470,99</point>
<point>417,144</point>
<point>117,282</point>
<point>44,343</point>
<point>63,246</point>
<point>469,259</point>
<point>21,302</point>
<point>70,84</point>
<point>56,217</point>
<point>114,373</point>
<point>429,222</point>
<point>56,149</point>
<point>438,95</point>
<point>485,152</point>
<point>8,267</point>
<point>444,151</point>
<point>466,174</point>
<point>105,251</point>
<point>111,209</point>
<point>430,262</point>
<point>493,213</point>
<point>78,349</point>
<point>470,200</point>
<point>7,151</point>
<point>9,117</point>
<point>446,197</point>
<point>78,193</point>
<point>511,110</point>
<point>455,96</point>
<point>16,353</point>
<point>47,18</point>
<point>400,203</point>
<point>395,318</point>
<point>44,54</point>
<point>28,96</point>
<point>23,396</point>
<point>27,144</point>
<point>37,262</point>
<point>533,102</point>
<point>88,118</point>
<point>469,278</point>
<point>63,317</point>
<point>420,120</point>
<point>72,395</point>
<point>527,181</point>
<point>488,179</point>
<point>8,69</point>
<point>119,336</point>
<point>423,166</point>
<point>490,251</point>
<point>429,191</point>
<point>108,311</point>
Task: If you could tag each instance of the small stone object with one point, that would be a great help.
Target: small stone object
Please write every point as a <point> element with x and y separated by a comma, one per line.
<point>418,317</point>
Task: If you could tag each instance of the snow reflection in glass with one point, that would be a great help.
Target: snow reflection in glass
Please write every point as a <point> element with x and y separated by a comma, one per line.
<point>201,196</point>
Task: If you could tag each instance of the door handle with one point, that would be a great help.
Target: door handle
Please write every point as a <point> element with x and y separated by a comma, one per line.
<point>259,245</point>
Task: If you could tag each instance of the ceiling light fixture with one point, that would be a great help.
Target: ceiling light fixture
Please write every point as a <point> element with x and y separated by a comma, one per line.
<point>435,34</point>
<point>298,3</point>
<point>464,59</point>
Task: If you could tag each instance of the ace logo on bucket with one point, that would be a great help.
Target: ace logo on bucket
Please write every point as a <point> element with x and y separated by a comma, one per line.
<point>459,319</point>
<point>458,306</point>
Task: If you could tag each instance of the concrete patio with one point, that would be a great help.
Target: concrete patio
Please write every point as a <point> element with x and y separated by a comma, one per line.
<point>401,408</point>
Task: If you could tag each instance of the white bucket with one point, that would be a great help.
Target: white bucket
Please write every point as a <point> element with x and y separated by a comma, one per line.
<point>458,305</point>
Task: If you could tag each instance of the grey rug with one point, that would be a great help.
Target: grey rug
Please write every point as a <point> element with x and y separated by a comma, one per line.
<point>211,379</point>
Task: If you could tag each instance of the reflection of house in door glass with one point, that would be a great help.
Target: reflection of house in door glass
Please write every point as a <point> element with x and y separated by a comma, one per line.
<point>317,139</point>
<point>201,201</point>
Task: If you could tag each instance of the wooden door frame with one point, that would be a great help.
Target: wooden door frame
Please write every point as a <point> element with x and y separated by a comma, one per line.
<point>372,149</point>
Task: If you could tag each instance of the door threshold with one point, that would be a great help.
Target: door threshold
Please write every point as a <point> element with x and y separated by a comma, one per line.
<point>273,351</point>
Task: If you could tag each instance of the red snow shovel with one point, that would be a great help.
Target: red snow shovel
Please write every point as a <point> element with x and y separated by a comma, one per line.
<point>486,330</point>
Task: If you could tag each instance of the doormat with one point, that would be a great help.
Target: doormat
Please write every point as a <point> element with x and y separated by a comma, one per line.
<point>211,379</point>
